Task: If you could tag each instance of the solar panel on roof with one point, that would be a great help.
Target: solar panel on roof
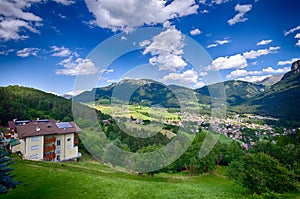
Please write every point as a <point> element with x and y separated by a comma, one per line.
<point>62,125</point>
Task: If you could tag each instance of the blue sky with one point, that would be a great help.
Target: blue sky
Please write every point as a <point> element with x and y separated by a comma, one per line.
<point>49,44</point>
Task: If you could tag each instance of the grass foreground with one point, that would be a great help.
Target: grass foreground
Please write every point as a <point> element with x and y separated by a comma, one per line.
<point>90,179</point>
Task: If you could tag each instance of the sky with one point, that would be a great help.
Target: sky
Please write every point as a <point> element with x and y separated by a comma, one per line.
<point>56,45</point>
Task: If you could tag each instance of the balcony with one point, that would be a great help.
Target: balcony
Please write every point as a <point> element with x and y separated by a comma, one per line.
<point>49,148</point>
<point>49,140</point>
<point>49,156</point>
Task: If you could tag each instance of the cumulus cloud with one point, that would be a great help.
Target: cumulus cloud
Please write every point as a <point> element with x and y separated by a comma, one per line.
<point>211,2</point>
<point>190,77</point>
<point>239,60</point>
<point>16,19</point>
<point>264,42</point>
<point>291,30</point>
<point>269,70</point>
<point>253,78</point>
<point>228,62</point>
<point>253,54</point>
<point>298,37</point>
<point>242,10</point>
<point>195,32</point>
<point>218,43</point>
<point>128,14</point>
<point>61,51</point>
<point>76,66</point>
<point>166,50</point>
<point>26,52</point>
<point>65,2</point>
<point>287,62</point>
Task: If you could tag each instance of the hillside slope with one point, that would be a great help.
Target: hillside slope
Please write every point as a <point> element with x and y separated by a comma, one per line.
<point>28,103</point>
<point>281,100</point>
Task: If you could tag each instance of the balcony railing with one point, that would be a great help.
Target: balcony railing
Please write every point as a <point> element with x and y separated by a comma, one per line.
<point>49,148</point>
<point>49,156</point>
<point>49,140</point>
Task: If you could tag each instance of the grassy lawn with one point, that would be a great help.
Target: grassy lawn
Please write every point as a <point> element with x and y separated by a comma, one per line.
<point>89,179</point>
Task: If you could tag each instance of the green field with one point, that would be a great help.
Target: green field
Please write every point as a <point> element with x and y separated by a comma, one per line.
<point>138,112</point>
<point>90,179</point>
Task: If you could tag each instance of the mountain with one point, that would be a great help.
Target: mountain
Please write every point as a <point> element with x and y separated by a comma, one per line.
<point>281,100</point>
<point>269,81</point>
<point>236,92</point>
<point>142,91</point>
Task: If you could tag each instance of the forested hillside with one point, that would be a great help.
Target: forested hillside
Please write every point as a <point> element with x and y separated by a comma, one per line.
<point>28,103</point>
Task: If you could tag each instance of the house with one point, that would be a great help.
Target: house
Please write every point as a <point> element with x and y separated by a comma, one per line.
<point>47,140</point>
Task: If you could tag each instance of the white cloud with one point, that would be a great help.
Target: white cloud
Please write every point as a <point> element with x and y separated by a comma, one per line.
<point>242,10</point>
<point>204,11</point>
<point>190,77</point>
<point>195,32</point>
<point>298,37</point>
<point>253,54</point>
<point>123,38</point>
<point>239,60</point>
<point>211,2</point>
<point>126,15</point>
<point>65,2</point>
<point>219,1</point>
<point>291,30</point>
<point>253,78</point>
<point>76,66</point>
<point>264,42</point>
<point>287,62</point>
<point>218,43</point>
<point>279,70</point>
<point>26,52</point>
<point>269,70</point>
<point>166,49</point>
<point>212,45</point>
<point>145,43</point>
<point>15,19</point>
<point>60,51</point>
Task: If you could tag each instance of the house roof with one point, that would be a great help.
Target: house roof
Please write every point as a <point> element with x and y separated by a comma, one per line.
<point>45,127</point>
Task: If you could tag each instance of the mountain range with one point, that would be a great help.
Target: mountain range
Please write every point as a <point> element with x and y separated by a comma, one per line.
<point>279,100</point>
<point>276,96</point>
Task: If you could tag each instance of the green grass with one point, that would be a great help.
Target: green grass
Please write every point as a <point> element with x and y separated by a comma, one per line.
<point>138,112</point>
<point>90,179</point>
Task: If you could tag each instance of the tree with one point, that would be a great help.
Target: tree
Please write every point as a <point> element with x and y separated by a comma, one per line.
<point>261,173</point>
<point>6,180</point>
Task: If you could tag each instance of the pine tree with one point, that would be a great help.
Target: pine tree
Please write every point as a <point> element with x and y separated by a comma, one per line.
<point>6,179</point>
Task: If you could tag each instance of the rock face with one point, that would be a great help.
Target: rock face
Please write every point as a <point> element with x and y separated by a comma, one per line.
<point>296,67</point>
<point>294,70</point>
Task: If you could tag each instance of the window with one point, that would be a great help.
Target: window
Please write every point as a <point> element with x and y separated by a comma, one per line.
<point>58,158</point>
<point>69,139</point>
<point>68,146</point>
<point>34,156</point>
<point>35,139</point>
<point>58,143</point>
<point>58,150</point>
<point>35,147</point>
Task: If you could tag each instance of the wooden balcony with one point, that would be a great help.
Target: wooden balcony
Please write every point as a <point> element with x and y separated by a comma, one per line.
<point>76,142</point>
<point>49,156</point>
<point>49,148</point>
<point>49,140</point>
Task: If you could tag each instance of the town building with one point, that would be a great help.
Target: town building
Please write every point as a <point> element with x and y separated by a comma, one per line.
<point>47,140</point>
